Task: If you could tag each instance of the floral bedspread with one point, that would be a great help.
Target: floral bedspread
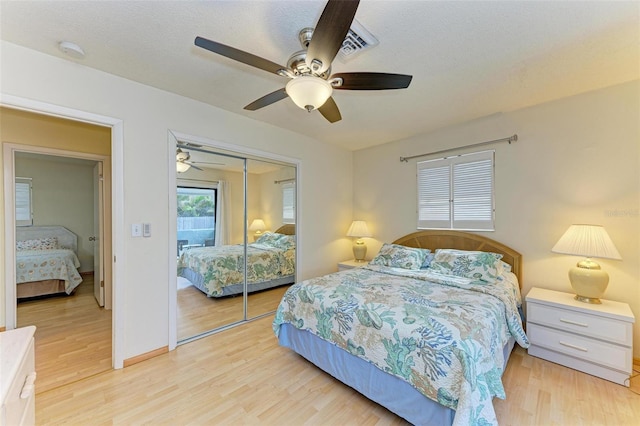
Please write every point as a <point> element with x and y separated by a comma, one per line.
<point>54,264</point>
<point>224,265</point>
<point>440,333</point>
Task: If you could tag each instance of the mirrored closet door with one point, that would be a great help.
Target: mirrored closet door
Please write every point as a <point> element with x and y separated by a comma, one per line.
<point>235,238</point>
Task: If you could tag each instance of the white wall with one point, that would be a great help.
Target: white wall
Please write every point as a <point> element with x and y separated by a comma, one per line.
<point>577,160</point>
<point>148,114</point>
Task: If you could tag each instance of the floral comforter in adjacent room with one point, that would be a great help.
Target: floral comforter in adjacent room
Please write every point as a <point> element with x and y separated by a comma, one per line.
<point>442,334</point>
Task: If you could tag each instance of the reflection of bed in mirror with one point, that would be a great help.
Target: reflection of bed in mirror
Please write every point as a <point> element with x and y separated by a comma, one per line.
<point>46,261</point>
<point>219,271</point>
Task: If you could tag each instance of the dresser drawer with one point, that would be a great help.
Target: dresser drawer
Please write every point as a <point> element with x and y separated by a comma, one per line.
<point>597,352</point>
<point>20,400</point>
<point>599,327</point>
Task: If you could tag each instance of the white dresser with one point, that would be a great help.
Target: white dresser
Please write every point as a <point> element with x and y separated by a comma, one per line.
<point>18,375</point>
<point>595,339</point>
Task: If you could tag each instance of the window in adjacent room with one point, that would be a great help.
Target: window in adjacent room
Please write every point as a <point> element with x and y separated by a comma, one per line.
<point>289,202</point>
<point>24,211</point>
<point>457,192</point>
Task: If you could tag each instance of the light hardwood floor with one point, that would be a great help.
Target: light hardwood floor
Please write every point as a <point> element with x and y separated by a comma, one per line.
<point>242,377</point>
<point>73,336</point>
<point>197,313</point>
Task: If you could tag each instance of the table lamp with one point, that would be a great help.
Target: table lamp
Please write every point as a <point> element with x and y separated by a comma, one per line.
<point>588,280</point>
<point>358,229</point>
<point>257,226</point>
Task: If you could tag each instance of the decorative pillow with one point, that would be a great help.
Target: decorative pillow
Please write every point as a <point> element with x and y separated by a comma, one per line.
<point>478,265</point>
<point>286,242</point>
<point>269,239</point>
<point>50,243</point>
<point>398,256</point>
<point>427,261</point>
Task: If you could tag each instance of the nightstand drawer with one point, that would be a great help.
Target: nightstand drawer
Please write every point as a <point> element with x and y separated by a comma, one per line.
<point>602,353</point>
<point>603,328</point>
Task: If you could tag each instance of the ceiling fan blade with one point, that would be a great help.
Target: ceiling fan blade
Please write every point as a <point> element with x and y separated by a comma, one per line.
<point>330,32</point>
<point>239,55</point>
<point>330,111</point>
<point>372,81</point>
<point>272,97</point>
<point>206,162</point>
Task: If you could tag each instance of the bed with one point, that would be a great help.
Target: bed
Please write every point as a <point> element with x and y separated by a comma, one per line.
<point>46,261</point>
<point>219,271</point>
<point>425,329</point>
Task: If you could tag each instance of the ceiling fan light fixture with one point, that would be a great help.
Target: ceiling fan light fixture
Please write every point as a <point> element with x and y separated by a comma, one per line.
<point>182,167</point>
<point>309,92</point>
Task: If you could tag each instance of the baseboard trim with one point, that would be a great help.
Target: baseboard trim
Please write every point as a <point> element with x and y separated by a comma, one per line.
<point>145,356</point>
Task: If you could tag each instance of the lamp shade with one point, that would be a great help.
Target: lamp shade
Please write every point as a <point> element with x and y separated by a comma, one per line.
<point>257,225</point>
<point>358,229</point>
<point>587,241</point>
<point>309,92</point>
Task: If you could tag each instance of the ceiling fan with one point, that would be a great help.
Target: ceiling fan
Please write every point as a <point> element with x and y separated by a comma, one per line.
<point>311,83</point>
<point>183,162</point>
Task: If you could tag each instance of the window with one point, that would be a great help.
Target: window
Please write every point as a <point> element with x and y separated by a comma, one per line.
<point>196,217</point>
<point>24,212</point>
<point>457,192</point>
<point>289,202</point>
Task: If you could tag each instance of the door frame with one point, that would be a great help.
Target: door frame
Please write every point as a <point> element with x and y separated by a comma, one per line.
<point>173,138</point>
<point>117,207</point>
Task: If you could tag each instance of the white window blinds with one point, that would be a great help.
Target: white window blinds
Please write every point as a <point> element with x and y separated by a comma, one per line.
<point>457,192</point>
<point>24,214</point>
<point>289,202</point>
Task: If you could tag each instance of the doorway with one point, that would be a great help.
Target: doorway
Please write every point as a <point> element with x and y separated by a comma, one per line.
<point>64,183</point>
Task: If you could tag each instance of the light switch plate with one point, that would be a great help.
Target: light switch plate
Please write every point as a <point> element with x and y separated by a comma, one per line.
<point>136,230</point>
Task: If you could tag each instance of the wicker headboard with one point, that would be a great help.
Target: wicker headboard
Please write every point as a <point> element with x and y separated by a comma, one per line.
<point>288,229</point>
<point>66,238</point>
<point>435,239</point>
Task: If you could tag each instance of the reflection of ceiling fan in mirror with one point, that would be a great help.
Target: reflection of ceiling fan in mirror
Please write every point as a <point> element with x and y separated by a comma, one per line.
<point>183,162</point>
<point>311,82</point>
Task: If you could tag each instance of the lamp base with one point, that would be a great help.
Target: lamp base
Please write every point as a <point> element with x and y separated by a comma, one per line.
<point>588,281</point>
<point>592,300</point>
<point>359,250</point>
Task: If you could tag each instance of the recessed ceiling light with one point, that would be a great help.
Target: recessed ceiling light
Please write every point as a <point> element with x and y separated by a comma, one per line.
<point>71,49</point>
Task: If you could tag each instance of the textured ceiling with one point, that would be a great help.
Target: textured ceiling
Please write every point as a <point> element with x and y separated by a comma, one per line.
<point>468,59</point>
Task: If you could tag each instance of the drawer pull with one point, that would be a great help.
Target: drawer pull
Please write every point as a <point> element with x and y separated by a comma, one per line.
<point>569,345</point>
<point>581,324</point>
<point>28,387</point>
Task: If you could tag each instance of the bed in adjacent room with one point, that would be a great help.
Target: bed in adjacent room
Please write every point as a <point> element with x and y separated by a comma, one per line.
<point>46,261</point>
<point>425,329</point>
<point>218,271</point>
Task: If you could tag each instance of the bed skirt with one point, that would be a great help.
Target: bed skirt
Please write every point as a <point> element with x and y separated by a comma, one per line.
<point>198,282</point>
<point>39,288</point>
<point>389,391</point>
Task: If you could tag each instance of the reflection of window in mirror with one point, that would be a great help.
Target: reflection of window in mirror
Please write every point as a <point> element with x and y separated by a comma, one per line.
<point>196,215</point>
<point>289,202</point>
<point>24,213</point>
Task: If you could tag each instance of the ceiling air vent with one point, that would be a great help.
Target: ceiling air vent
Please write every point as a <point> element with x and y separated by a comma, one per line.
<point>358,39</point>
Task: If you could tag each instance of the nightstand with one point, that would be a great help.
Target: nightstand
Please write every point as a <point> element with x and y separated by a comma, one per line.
<point>350,264</point>
<point>595,339</point>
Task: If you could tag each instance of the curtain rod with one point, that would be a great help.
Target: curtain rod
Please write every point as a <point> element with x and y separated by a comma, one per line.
<point>285,180</point>
<point>510,139</point>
